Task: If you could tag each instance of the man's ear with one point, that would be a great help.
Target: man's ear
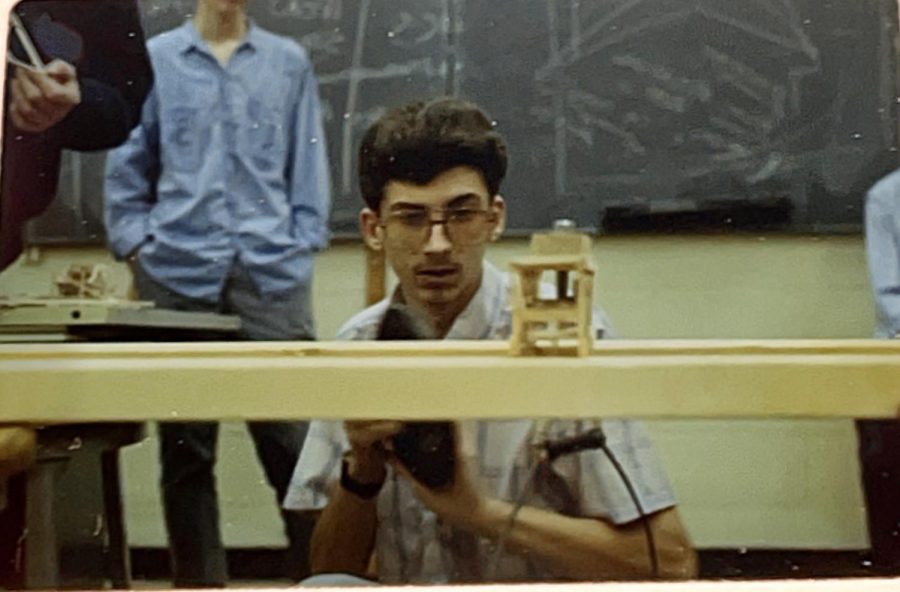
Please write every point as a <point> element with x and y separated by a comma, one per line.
<point>498,205</point>
<point>372,232</point>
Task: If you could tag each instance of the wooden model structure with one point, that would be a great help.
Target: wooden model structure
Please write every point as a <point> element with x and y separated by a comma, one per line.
<point>85,281</point>
<point>544,322</point>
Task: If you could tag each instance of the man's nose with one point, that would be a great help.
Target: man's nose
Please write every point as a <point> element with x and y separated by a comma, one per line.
<point>437,241</point>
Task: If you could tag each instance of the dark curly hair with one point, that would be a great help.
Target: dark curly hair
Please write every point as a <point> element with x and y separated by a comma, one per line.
<point>418,141</point>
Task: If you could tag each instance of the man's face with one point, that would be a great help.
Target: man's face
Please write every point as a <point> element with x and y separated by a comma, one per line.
<point>438,267</point>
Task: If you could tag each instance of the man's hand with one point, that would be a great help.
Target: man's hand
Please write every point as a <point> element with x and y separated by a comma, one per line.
<point>369,440</point>
<point>41,99</point>
<point>344,537</point>
<point>461,504</point>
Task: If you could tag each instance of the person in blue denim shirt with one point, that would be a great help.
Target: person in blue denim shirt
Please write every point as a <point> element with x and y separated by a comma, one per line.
<point>879,439</point>
<point>218,200</point>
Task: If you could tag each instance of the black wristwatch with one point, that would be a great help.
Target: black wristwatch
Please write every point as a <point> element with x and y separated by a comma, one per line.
<point>365,491</point>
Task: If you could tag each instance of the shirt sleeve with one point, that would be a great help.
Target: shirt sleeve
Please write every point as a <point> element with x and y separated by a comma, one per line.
<point>882,256</point>
<point>308,175</point>
<point>130,184</point>
<point>598,487</point>
<point>318,468</point>
<point>115,76</point>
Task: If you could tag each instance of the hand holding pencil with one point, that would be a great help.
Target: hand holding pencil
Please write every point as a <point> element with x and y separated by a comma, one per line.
<point>40,95</point>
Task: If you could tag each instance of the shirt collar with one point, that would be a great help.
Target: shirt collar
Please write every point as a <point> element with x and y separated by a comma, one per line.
<point>192,40</point>
<point>477,320</point>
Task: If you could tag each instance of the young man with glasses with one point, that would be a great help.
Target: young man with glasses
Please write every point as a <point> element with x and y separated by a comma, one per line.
<point>430,175</point>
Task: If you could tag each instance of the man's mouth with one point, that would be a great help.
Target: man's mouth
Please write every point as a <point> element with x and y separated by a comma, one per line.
<point>437,274</point>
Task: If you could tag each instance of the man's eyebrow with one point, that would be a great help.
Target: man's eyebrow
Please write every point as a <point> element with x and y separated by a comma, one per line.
<point>459,200</point>
<point>406,205</point>
<point>463,199</point>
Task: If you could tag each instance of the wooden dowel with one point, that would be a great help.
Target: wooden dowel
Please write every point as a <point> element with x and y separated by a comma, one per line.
<point>376,276</point>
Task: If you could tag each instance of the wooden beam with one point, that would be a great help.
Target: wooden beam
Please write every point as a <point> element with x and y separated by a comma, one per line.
<point>376,276</point>
<point>406,380</point>
<point>810,585</point>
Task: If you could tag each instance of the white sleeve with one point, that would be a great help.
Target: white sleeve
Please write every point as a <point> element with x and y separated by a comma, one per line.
<point>318,467</point>
<point>599,489</point>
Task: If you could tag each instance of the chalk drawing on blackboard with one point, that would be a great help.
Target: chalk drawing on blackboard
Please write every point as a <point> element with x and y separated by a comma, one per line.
<point>307,9</point>
<point>645,103</point>
<point>745,106</point>
<point>355,75</point>
<point>413,30</point>
<point>156,8</point>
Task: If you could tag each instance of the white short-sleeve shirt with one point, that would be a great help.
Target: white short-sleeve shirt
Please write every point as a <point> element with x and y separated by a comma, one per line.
<point>412,546</point>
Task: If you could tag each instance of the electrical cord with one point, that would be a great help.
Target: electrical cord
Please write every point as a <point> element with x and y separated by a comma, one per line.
<point>595,438</point>
<point>403,560</point>
<point>642,516</point>
<point>511,521</point>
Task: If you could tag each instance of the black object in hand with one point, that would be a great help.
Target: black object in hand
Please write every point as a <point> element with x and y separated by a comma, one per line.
<point>402,323</point>
<point>426,448</point>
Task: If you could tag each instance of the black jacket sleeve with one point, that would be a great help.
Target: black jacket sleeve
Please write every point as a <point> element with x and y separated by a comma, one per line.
<point>113,69</point>
<point>115,76</point>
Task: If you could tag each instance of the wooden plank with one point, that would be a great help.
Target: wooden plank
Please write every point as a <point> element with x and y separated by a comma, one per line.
<point>376,276</point>
<point>608,347</point>
<point>810,585</point>
<point>551,262</point>
<point>94,382</point>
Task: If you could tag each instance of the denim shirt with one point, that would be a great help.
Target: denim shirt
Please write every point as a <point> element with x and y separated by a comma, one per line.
<point>883,252</point>
<point>227,167</point>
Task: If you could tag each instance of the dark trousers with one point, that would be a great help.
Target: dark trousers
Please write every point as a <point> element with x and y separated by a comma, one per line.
<point>879,456</point>
<point>188,457</point>
<point>12,535</point>
<point>188,450</point>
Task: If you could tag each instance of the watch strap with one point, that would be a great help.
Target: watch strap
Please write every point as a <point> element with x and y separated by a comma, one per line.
<point>362,490</point>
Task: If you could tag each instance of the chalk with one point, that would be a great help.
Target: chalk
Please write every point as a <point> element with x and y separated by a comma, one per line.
<point>27,44</point>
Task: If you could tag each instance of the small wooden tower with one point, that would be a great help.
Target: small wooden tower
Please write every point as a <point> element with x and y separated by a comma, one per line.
<point>557,322</point>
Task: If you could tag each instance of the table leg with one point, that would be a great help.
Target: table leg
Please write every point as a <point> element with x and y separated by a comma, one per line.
<point>117,553</point>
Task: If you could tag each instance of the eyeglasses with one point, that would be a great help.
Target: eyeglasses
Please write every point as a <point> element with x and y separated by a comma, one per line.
<point>464,226</point>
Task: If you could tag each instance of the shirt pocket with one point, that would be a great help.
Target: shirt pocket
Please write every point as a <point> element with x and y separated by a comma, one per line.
<point>263,135</point>
<point>186,137</point>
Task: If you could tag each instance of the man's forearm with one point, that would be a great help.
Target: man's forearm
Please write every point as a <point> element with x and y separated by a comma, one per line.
<point>589,548</point>
<point>344,536</point>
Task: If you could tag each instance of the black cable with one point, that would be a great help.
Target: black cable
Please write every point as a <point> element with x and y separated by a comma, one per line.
<point>648,532</point>
<point>511,521</point>
<point>403,560</point>
<point>594,438</point>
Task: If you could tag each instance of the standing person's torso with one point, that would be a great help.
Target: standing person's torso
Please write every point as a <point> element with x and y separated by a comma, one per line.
<point>226,134</point>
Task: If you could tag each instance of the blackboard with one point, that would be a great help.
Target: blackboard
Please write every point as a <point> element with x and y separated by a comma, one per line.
<point>619,113</point>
